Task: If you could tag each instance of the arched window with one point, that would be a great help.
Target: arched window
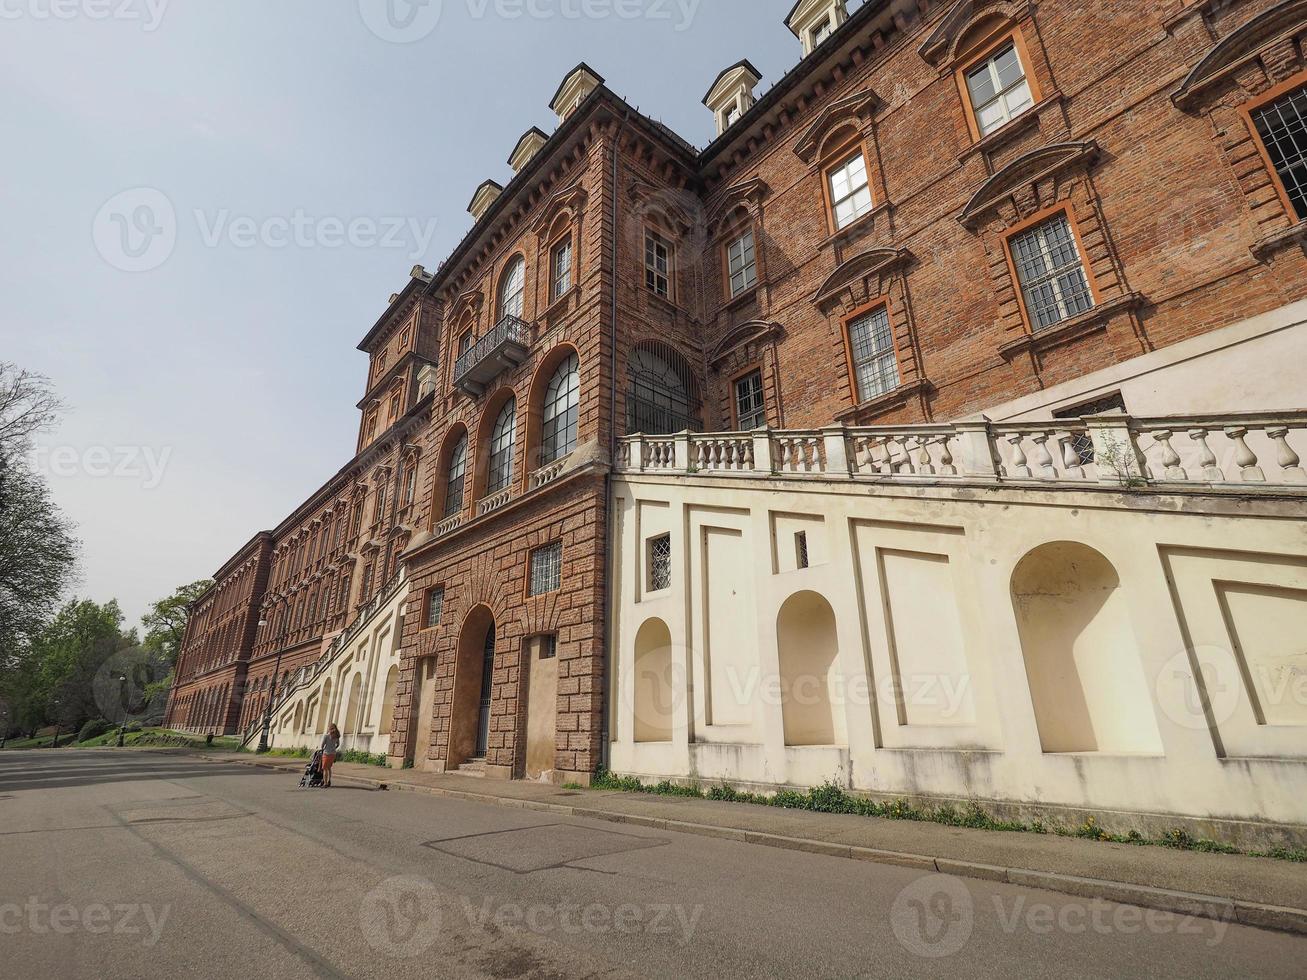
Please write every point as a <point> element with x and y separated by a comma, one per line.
<point>457,474</point>
<point>661,398</point>
<point>512,289</point>
<point>502,442</point>
<point>558,422</point>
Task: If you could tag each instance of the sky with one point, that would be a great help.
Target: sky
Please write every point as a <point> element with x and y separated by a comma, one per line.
<point>206,204</point>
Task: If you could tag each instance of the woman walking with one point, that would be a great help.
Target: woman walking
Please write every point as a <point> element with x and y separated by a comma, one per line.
<point>330,746</point>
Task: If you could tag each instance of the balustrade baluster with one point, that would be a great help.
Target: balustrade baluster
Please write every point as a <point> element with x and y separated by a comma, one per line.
<point>1211,472</point>
<point>1019,461</point>
<point>1291,470</point>
<point>1071,457</point>
<point>946,467</point>
<point>1170,458</point>
<point>1244,457</point>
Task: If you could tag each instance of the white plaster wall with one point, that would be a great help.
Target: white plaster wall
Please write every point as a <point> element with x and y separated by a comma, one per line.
<point>935,694</point>
<point>369,658</point>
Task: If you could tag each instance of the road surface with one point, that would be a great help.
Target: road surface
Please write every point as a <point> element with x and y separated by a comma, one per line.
<point>134,864</point>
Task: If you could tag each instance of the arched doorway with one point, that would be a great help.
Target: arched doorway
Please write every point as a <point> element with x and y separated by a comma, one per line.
<point>469,734</point>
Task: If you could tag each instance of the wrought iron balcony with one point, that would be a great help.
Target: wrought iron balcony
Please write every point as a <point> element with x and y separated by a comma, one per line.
<point>504,347</point>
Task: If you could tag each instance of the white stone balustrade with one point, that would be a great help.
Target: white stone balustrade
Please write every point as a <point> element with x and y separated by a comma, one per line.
<point>547,474</point>
<point>1246,450</point>
<point>494,501</point>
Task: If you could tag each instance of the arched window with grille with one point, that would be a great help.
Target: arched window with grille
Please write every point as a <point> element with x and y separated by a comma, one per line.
<point>559,419</point>
<point>503,439</point>
<point>512,289</point>
<point>457,474</point>
<point>662,396</point>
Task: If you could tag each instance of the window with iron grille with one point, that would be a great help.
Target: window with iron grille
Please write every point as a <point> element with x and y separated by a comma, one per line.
<point>435,607</point>
<point>662,397</point>
<point>660,563</point>
<point>800,549</point>
<point>454,484</point>
<point>502,441</point>
<point>562,403</point>
<point>657,264</point>
<point>742,262</point>
<point>562,266</point>
<point>750,407</point>
<point>1282,126</point>
<point>850,192</point>
<point>1051,273</point>
<point>546,647</point>
<point>1081,442</point>
<point>547,569</point>
<point>999,90</point>
<point>875,364</point>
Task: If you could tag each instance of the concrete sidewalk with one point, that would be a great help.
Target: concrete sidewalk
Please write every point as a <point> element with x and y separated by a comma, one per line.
<point>1255,891</point>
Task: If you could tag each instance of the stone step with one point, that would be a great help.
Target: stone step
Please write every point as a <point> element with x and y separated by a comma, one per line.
<point>473,767</point>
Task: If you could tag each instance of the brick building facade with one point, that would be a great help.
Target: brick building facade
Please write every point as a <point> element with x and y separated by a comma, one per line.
<point>943,210</point>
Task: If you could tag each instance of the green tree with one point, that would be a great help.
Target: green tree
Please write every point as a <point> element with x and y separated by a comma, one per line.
<point>165,626</point>
<point>69,652</point>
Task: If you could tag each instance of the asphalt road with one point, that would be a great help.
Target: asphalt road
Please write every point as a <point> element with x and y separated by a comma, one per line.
<point>145,865</point>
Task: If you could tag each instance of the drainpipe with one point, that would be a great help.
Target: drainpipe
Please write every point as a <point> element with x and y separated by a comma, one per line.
<point>605,712</point>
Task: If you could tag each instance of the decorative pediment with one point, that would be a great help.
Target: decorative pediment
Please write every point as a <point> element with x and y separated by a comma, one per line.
<point>873,262</point>
<point>752,332</point>
<point>1285,20</point>
<point>854,109</point>
<point>567,201</point>
<point>750,192</point>
<point>677,207</point>
<point>1024,171</point>
<point>470,300</point>
<point>943,44</point>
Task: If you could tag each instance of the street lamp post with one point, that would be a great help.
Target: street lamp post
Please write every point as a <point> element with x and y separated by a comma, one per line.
<point>122,693</point>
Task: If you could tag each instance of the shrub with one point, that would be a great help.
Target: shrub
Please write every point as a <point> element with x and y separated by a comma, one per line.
<point>94,729</point>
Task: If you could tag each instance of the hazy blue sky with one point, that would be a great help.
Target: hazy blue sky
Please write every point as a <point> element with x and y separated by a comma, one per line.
<point>212,392</point>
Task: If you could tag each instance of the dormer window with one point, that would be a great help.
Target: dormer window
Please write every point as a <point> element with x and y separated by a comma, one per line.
<point>819,33</point>
<point>730,116</point>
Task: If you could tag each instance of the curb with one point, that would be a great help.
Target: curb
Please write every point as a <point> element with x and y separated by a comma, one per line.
<point>1227,910</point>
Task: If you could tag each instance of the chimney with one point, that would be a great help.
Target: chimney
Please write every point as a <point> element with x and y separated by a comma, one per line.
<point>731,94</point>
<point>812,21</point>
<point>528,146</point>
<point>485,196</point>
<point>579,83</point>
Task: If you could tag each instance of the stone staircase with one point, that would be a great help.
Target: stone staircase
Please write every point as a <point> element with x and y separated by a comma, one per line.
<point>473,767</point>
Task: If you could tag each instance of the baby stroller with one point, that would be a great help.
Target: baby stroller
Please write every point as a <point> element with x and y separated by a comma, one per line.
<point>312,778</point>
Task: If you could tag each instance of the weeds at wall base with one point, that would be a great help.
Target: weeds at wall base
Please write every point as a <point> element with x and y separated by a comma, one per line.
<point>830,798</point>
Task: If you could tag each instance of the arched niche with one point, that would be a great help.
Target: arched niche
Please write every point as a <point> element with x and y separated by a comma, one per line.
<point>808,644</point>
<point>324,708</point>
<point>655,694</point>
<point>354,706</point>
<point>388,701</point>
<point>1082,659</point>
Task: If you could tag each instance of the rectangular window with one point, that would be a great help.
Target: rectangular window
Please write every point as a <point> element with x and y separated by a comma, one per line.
<point>850,192</point>
<point>464,343</point>
<point>435,607</point>
<point>1050,273</point>
<point>1082,443</point>
<point>750,408</point>
<point>365,589</point>
<point>742,264</point>
<point>800,549</point>
<point>657,264</point>
<point>546,647</point>
<point>547,569</point>
<point>1282,126</point>
<point>394,407</point>
<point>871,345</point>
<point>821,32</point>
<point>380,512</point>
<point>730,116</point>
<point>410,484</point>
<point>562,268</point>
<point>660,563</point>
<point>999,90</point>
